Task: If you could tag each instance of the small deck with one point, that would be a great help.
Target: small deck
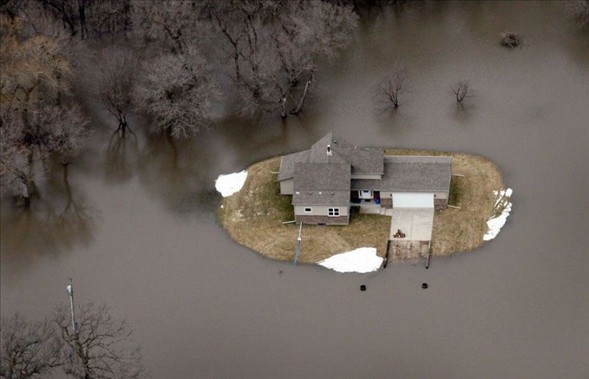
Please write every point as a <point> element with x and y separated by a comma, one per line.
<point>372,208</point>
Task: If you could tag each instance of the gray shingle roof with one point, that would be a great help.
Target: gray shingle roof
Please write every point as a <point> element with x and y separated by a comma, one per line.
<point>321,184</point>
<point>411,174</point>
<point>364,160</point>
<point>325,179</point>
<point>287,163</point>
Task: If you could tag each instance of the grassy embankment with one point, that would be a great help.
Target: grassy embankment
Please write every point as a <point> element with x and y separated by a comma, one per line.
<point>253,217</point>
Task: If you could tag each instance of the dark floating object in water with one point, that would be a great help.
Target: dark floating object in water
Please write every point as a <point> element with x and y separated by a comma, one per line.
<point>510,40</point>
<point>424,285</point>
<point>362,287</point>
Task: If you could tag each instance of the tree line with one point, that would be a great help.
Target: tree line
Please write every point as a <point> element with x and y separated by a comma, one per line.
<point>175,64</point>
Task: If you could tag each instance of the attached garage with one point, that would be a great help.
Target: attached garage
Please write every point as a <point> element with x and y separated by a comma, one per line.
<point>413,216</point>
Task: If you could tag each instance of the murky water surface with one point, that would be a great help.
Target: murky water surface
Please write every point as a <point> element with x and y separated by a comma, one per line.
<point>138,229</point>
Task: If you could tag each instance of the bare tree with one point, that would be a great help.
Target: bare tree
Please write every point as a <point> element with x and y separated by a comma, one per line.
<point>106,18</point>
<point>16,166</point>
<point>579,10</point>
<point>171,27</point>
<point>177,92</point>
<point>100,348</point>
<point>32,69</point>
<point>275,46</point>
<point>302,35</point>
<point>28,349</point>
<point>29,141</point>
<point>392,86</point>
<point>86,18</point>
<point>37,119</point>
<point>460,91</point>
<point>69,131</point>
<point>115,80</point>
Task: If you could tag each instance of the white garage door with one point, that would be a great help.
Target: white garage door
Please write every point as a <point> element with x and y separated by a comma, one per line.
<point>413,200</point>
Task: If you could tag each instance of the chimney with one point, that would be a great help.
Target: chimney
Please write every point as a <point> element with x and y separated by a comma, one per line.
<point>329,150</point>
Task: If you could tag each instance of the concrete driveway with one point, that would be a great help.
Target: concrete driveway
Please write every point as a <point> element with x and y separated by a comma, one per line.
<point>415,223</point>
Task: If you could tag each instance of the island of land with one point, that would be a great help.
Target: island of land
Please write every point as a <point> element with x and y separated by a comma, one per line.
<point>257,216</point>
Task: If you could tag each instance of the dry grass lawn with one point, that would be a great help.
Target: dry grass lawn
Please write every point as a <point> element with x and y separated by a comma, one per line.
<point>253,217</point>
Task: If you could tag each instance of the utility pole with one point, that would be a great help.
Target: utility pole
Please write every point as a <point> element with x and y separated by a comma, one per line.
<point>70,291</point>
<point>298,248</point>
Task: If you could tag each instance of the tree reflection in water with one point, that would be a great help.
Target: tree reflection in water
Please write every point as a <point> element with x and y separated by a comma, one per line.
<point>56,222</point>
<point>121,156</point>
<point>169,170</point>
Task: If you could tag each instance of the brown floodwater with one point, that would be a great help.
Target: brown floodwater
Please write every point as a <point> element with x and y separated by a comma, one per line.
<point>138,227</point>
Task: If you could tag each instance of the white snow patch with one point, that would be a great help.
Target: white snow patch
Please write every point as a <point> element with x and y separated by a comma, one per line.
<point>360,260</point>
<point>229,184</point>
<point>495,224</point>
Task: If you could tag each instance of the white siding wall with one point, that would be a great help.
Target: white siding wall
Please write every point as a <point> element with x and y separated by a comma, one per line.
<point>440,195</point>
<point>320,210</point>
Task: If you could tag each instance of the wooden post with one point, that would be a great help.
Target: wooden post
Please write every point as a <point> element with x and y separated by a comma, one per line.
<point>387,255</point>
<point>429,255</point>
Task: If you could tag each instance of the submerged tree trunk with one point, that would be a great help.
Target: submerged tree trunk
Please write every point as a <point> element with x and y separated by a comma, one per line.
<point>283,113</point>
<point>299,107</point>
<point>29,189</point>
<point>68,189</point>
<point>82,15</point>
<point>123,125</point>
<point>29,181</point>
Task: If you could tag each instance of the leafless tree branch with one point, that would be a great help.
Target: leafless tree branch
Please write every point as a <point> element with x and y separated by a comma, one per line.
<point>460,91</point>
<point>100,348</point>
<point>28,349</point>
<point>392,87</point>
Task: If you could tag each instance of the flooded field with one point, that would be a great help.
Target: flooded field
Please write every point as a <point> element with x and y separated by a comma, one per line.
<point>138,230</point>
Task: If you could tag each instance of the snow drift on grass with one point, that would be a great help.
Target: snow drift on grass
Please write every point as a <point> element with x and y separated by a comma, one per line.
<point>229,184</point>
<point>360,260</point>
<point>503,205</point>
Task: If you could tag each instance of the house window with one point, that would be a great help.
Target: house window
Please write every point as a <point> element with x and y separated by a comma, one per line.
<point>333,212</point>
<point>308,210</point>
